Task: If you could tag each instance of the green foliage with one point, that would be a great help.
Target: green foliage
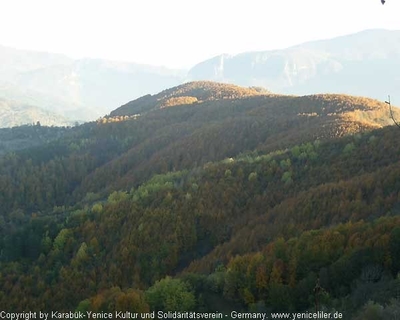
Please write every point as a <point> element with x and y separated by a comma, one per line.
<point>46,244</point>
<point>117,196</point>
<point>81,255</point>
<point>170,294</point>
<point>287,177</point>
<point>83,306</point>
<point>285,164</point>
<point>91,197</point>
<point>371,311</point>
<point>252,176</point>
<point>349,148</point>
<point>97,208</point>
<point>372,139</point>
<point>61,239</point>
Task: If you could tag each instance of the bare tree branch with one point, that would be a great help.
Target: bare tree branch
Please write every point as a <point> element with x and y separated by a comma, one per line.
<point>391,112</point>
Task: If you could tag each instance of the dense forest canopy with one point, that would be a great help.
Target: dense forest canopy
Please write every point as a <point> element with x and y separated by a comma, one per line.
<point>206,197</point>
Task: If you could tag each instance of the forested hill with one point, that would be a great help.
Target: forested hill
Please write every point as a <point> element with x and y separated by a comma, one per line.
<point>238,201</point>
<point>188,93</point>
<point>14,114</point>
<point>29,136</point>
<point>115,154</point>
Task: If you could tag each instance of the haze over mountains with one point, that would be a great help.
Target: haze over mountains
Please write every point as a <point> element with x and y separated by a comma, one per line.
<point>362,64</point>
<point>78,89</point>
<point>14,114</point>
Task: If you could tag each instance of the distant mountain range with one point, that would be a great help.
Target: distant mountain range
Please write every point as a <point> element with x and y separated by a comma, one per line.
<point>13,114</point>
<point>364,64</point>
<point>78,89</point>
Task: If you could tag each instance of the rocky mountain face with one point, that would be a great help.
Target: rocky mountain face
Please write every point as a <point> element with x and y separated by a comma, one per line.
<point>363,64</point>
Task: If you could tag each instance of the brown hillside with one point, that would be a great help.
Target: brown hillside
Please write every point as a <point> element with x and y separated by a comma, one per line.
<point>216,121</point>
<point>188,93</point>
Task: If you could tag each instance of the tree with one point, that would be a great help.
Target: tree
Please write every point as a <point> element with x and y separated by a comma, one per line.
<point>170,294</point>
<point>394,247</point>
<point>371,311</point>
<point>388,101</point>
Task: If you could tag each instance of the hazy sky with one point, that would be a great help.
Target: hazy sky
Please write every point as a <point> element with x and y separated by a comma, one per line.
<point>180,33</point>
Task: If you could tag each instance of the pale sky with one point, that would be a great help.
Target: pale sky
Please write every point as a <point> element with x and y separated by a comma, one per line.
<point>181,33</point>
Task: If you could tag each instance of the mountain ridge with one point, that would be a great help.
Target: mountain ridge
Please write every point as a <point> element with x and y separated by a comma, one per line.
<point>362,64</point>
<point>354,64</point>
<point>276,121</point>
<point>187,93</point>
